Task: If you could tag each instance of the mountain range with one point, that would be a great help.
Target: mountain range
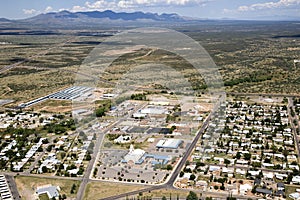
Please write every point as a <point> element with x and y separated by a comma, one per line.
<point>90,18</point>
<point>108,14</point>
<point>95,17</point>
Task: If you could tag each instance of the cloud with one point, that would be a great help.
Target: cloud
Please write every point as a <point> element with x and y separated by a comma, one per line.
<point>269,5</point>
<point>227,11</point>
<point>75,9</point>
<point>35,12</point>
<point>29,11</point>
<point>48,9</point>
<point>135,4</point>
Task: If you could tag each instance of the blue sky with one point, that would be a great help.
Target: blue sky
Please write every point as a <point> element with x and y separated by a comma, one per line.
<point>213,9</point>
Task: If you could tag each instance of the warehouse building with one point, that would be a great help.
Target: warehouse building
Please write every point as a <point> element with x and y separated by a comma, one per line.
<point>169,143</point>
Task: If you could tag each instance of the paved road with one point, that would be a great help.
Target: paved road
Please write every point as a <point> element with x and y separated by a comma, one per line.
<point>263,94</point>
<point>169,184</point>
<point>13,187</point>
<point>87,175</point>
<point>250,167</point>
<point>41,176</point>
<point>188,152</point>
<point>172,179</point>
<point>291,119</point>
<point>36,160</point>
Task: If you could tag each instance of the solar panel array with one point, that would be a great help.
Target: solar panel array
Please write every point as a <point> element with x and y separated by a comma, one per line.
<point>66,94</point>
<point>70,93</point>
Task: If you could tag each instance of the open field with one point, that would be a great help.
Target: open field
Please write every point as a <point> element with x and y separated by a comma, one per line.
<point>98,190</point>
<point>27,186</point>
<point>55,106</point>
<point>27,87</point>
<point>251,57</point>
<point>167,193</point>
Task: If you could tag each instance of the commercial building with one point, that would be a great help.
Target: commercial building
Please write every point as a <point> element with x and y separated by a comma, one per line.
<point>169,143</point>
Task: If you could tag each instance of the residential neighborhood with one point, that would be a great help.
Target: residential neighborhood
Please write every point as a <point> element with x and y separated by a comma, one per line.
<point>255,155</point>
<point>249,152</point>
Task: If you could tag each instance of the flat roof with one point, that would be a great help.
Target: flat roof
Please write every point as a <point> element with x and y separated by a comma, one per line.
<point>169,143</point>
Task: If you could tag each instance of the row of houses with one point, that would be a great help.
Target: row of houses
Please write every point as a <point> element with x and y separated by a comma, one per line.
<point>252,141</point>
<point>17,166</point>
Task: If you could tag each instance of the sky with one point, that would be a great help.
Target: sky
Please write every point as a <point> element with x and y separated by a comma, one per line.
<point>205,9</point>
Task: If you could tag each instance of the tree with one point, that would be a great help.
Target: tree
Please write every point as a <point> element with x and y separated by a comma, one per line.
<point>274,148</point>
<point>169,167</point>
<point>80,171</point>
<point>226,161</point>
<point>73,188</point>
<point>181,174</point>
<point>192,196</point>
<point>41,120</point>
<point>100,112</point>
<point>88,156</point>
<point>44,169</point>
<point>231,198</point>
<point>164,198</point>
<point>222,187</point>
<point>40,149</point>
<point>192,177</point>
<point>247,156</point>
<point>49,148</point>
<point>199,164</point>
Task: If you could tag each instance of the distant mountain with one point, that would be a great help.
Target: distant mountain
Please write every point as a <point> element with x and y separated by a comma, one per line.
<point>4,20</point>
<point>105,16</point>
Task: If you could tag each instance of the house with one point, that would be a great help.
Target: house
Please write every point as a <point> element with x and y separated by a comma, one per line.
<point>123,139</point>
<point>244,188</point>
<point>214,168</point>
<point>263,191</point>
<point>280,186</point>
<point>295,195</point>
<point>254,173</point>
<point>73,171</point>
<point>51,191</point>
<point>281,176</point>
<point>280,193</point>
<point>240,171</point>
<point>227,170</point>
<point>201,184</point>
<point>242,162</point>
<point>268,175</point>
<point>257,181</point>
<point>296,180</point>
